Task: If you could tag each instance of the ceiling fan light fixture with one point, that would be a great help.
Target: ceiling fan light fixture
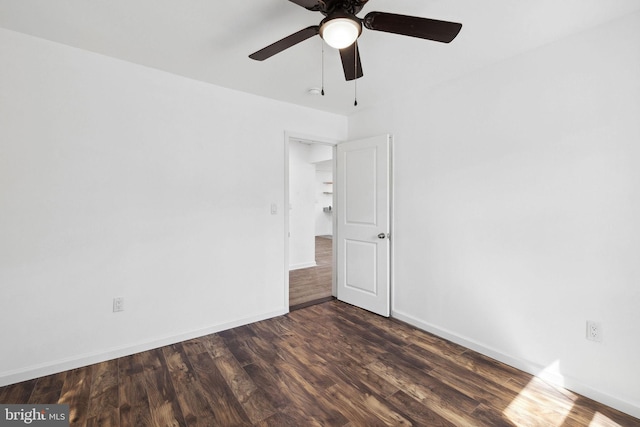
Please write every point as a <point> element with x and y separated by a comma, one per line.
<point>340,32</point>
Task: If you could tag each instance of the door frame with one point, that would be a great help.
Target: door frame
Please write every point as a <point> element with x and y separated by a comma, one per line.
<point>290,137</point>
<point>296,136</point>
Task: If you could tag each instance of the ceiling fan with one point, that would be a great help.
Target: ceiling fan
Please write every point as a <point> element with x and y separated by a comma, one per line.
<point>341,28</point>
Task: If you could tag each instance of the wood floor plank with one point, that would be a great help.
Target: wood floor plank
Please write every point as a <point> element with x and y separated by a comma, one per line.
<point>130,365</point>
<point>240,348</point>
<point>343,372</point>
<point>420,414</point>
<point>253,401</point>
<point>328,365</point>
<point>364,409</point>
<point>434,345</point>
<point>17,393</point>
<point>486,366</point>
<point>490,416</point>
<point>108,418</point>
<point>262,350</point>
<point>275,329</point>
<point>308,405</point>
<point>135,416</point>
<point>342,362</point>
<point>103,397</point>
<point>491,390</point>
<point>214,344</point>
<point>48,389</point>
<point>519,412</point>
<point>305,358</point>
<point>271,385</point>
<point>226,408</point>
<point>282,420</point>
<point>493,383</point>
<point>163,401</point>
<point>132,393</point>
<point>334,331</point>
<point>131,383</point>
<point>441,399</point>
<point>294,374</point>
<point>194,347</point>
<point>383,337</point>
<point>358,376</point>
<point>75,393</point>
<point>587,409</point>
<point>471,384</point>
<point>542,399</point>
<point>192,400</point>
<point>315,283</point>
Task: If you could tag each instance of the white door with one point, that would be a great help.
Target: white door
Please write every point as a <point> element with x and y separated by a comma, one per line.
<point>363,226</point>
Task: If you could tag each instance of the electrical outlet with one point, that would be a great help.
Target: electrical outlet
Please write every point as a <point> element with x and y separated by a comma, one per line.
<point>118,304</point>
<point>594,331</point>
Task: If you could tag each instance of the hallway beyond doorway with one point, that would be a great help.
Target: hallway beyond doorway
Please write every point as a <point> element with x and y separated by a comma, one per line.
<point>308,285</point>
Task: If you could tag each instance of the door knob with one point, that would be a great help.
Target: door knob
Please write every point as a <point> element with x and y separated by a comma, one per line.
<point>381,236</point>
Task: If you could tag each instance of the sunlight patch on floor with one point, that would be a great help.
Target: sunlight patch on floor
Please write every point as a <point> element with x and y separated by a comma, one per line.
<point>541,401</point>
<point>600,420</point>
<point>548,404</point>
<point>528,405</point>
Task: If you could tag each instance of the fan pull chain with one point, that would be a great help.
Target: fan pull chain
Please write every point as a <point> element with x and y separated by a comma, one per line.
<point>355,81</point>
<point>322,90</point>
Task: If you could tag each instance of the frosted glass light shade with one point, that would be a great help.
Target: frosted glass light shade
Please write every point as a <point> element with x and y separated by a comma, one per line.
<point>340,32</point>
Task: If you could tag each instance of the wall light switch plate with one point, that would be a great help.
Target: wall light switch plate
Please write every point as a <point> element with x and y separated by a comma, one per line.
<point>118,304</point>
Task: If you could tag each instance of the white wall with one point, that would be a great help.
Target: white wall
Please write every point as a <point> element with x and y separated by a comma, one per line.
<point>303,200</point>
<point>517,199</point>
<point>324,220</point>
<point>302,250</point>
<point>120,180</point>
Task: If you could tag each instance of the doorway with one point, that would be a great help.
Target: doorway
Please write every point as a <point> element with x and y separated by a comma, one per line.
<point>361,217</point>
<point>310,221</point>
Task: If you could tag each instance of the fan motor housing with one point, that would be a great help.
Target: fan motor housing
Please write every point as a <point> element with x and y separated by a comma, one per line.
<point>328,7</point>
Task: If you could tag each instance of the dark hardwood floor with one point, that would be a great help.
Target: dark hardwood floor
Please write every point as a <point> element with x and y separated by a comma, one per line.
<point>313,284</point>
<point>326,365</point>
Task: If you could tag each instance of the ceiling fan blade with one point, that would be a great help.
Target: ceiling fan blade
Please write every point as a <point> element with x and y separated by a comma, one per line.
<point>312,5</point>
<point>412,26</point>
<point>351,62</point>
<point>285,43</point>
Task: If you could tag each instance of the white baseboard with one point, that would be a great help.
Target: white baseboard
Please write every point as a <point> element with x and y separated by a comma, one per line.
<point>524,365</point>
<point>302,265</point>
<point>41,370</point>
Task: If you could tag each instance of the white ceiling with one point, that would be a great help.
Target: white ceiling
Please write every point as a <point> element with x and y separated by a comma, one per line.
<point>210,40</point>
